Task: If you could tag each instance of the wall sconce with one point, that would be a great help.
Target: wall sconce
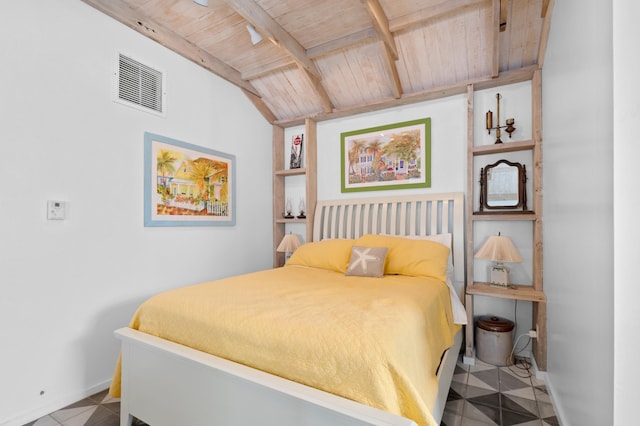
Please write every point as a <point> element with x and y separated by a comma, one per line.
<point>255,36</point>
<point>509,122</point>
<point>288,245</point>
<point>499,249</point>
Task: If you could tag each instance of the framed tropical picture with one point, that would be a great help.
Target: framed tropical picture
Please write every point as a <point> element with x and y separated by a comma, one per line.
<point>393,156</point>
<point>187,185</point>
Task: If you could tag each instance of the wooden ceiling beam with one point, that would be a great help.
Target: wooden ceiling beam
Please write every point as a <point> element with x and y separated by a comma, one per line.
<point>121,11</point>
<point>503,15</point>
<point>266,69</point>
<point>381,25</point>
<point>391,70</point>
<point>480,83</point>
<point>545,8</point>
<point>269,28</point>
<point>321,93</point>
<point>363,36</point>
<point>431,12</point>
<point>387,45</point>
<point>258,102</point>
<point>496,27</point>
<point>544,35</point>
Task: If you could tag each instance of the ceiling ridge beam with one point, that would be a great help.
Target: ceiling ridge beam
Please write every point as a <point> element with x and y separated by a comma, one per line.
<point>432,12</point>
<point>123,13</point>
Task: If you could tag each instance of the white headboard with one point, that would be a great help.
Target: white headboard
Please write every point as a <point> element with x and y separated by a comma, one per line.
<point>424,214</point>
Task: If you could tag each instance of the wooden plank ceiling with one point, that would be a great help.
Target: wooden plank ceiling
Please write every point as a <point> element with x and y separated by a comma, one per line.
<point>331,58</point>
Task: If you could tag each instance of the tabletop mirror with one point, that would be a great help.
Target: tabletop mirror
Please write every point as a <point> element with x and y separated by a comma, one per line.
<point>502,186</point>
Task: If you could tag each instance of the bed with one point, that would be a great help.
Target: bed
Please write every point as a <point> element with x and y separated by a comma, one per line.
<point>285,346</point>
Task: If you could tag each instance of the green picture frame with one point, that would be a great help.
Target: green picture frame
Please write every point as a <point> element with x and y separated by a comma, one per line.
<point>393,156</point>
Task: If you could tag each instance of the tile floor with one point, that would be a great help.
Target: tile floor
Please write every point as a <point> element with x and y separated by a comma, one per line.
<point>480,395</point>
<point>483,394</point>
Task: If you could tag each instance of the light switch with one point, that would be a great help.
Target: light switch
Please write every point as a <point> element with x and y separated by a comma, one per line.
<point>56,210</point>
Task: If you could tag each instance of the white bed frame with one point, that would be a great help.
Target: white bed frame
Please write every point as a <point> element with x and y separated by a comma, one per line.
<point>164,383</point>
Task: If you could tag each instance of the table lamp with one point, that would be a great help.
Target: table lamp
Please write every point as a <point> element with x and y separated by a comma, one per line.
<point>288,245</point>
<point>499,249</point>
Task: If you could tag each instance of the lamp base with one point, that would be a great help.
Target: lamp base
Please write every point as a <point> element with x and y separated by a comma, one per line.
<point>500,276</point>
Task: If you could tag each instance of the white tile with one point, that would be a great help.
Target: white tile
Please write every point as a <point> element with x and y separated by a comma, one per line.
<point>46,421</point>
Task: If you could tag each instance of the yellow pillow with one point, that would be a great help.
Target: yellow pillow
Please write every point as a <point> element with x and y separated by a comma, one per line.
<point>332,255</point>
<point>418,258</point>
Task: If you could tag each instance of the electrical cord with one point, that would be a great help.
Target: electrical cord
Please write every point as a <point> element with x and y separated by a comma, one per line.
<point>519,363</point>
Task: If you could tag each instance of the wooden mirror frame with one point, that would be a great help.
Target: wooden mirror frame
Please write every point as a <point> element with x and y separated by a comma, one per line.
<point>521,201</point>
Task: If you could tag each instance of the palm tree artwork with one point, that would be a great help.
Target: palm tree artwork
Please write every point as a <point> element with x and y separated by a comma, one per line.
<point>186,185</point>
<point>377,158</point>
<point>165,165</point>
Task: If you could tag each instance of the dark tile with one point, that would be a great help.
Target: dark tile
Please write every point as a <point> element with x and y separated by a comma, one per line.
<point>493,399</point>
<point>103,417</point>
<point>520,405</point>
<point>481,413</point>
<point>453,395</point>
<point>551,421</point>
<point>490,377</point>
<point>510,418</point>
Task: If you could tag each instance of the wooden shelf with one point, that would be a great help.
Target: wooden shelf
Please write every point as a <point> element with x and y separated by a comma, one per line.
<point>291,172</point>
<point>517,292</point>
<point>504,215</point>
<point>280,174</point>
<point>294,220</point>
<point>503,147</point>
<point>533,293</point>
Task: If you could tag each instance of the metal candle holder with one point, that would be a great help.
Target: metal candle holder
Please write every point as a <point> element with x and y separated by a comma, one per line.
<point>508,127</point>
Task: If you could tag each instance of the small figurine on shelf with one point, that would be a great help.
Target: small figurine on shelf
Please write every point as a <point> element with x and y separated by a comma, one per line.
<point>302,209</point>
<point>288,209</point>
<point>296,152</point>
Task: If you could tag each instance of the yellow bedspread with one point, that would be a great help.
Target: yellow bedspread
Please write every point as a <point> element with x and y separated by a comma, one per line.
<point>377,341</point>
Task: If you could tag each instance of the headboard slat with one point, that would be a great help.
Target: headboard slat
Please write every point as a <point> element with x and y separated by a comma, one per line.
<point>423,214</point>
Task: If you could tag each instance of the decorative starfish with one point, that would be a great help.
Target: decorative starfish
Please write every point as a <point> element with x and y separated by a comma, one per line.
<point>362,259</point>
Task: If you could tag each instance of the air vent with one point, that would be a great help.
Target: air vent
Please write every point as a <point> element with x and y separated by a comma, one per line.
<point>140,85</point>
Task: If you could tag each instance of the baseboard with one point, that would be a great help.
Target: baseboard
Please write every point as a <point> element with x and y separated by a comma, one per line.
<point>551,390</point>
<point>540,375</point>
<point>37,412</point>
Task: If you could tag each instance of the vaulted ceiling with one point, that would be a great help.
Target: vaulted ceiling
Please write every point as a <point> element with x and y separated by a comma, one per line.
<point>331,58</point>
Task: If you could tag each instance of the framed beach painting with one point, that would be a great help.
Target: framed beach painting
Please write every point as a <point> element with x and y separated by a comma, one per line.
<point>394,156</point>
<point>187,185</point>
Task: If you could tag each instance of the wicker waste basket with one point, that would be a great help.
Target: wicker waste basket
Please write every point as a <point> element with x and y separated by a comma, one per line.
<point>494,340</point>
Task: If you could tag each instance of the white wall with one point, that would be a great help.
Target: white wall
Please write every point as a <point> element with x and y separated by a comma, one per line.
<point>578,211</point>
<point>67,285</point>
<point>626,109</point>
